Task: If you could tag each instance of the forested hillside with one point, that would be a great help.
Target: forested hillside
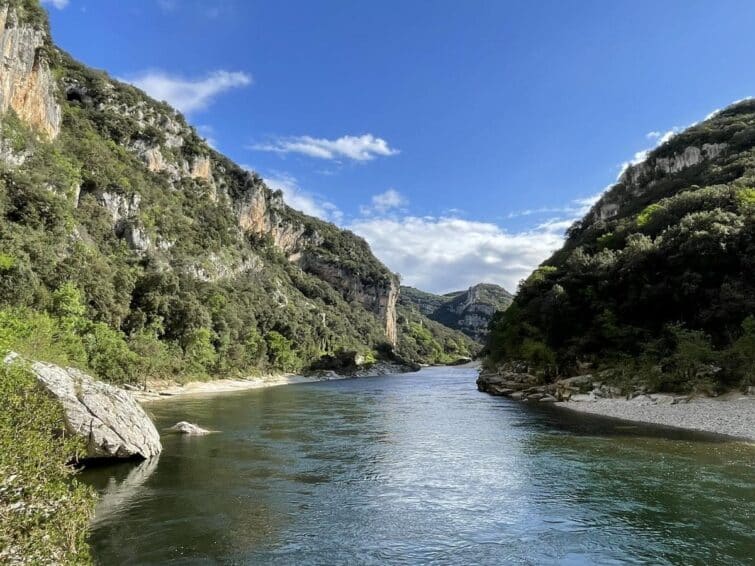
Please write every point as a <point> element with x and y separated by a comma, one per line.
<point>130,248</point>
<point>467,311</point>
<point>658,280</point>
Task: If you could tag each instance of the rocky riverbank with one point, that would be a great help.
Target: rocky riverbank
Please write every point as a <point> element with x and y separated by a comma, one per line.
<point>732,414</point>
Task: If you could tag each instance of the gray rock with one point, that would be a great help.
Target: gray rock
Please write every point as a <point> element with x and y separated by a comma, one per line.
<point>109,418</point>
<point>548,399</point>
<point>184,427</point>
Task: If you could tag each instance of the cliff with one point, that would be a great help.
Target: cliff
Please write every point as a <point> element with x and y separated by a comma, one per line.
<point>467,311</point>
<point>26,82</point>
<point>113,196</point>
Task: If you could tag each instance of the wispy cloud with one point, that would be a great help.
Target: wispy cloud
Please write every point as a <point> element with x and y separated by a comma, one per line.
<point>575,209</point>
<point>188,95</point>
<point>357,148</point>
<point>384,202</point>
<point>58,4</point>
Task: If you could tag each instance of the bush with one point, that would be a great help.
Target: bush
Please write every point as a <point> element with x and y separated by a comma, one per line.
<point>280,352</point>
<point>43,511</point>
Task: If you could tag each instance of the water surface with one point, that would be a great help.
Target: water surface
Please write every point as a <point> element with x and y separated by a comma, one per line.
<point>421,468</point>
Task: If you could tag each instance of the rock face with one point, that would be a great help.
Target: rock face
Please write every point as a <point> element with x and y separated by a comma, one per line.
<point>112,422</point>
<point>640,178</point>
<point>26,83</point>
<point>468,311</point>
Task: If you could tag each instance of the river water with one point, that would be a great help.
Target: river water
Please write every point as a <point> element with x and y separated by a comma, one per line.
<point>420,468</point>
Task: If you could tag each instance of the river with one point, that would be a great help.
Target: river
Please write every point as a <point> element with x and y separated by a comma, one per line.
<point>420,468</point>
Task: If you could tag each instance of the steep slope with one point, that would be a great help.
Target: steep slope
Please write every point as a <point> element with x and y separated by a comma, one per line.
<point>658,279</point>
<point>468,311</point>
<point>115,213</point>
<point>421,338</point>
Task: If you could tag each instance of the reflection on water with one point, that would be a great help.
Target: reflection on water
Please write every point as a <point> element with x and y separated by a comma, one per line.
<point>421,468</point>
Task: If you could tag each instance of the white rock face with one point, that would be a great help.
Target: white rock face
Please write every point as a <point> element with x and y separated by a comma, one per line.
<point>109,418</point>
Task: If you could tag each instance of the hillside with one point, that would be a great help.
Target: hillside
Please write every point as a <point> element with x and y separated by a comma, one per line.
<point>657,281</point>
<point>467,311</point>
<point>129,247</point>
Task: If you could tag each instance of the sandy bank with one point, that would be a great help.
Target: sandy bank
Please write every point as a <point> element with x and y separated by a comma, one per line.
<point>159,391</point>
<point>731,415</point>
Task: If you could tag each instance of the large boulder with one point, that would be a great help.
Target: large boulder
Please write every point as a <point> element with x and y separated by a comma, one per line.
<point>109,418</point>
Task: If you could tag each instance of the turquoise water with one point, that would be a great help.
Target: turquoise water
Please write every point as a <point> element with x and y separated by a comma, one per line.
<point>421,468</point>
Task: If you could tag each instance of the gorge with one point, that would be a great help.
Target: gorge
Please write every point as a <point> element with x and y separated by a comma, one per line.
<point>179,331</point>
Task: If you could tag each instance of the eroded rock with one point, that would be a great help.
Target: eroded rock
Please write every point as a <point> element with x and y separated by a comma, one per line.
<point>107,417</point>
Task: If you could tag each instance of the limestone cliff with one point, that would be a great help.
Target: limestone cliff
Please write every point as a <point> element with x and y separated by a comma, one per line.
<point>26,82</point>
<point>144,193</point>
<point>639,179</point>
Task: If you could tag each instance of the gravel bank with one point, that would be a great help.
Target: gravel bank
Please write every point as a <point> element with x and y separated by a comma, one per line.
<point>732,416</point>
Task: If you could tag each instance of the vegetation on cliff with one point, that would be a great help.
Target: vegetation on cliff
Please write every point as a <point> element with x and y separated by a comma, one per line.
<point>658,280</point>
<point>172,261</point>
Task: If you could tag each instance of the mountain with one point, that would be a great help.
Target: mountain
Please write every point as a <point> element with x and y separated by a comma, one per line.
<point>468,311</point>
<point>148,251</point>
<point>657,281</point>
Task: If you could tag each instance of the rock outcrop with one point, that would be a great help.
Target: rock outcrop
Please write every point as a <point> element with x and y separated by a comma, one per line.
<point>640,178</point>
<point>113,424</point>
<point>26,82</point>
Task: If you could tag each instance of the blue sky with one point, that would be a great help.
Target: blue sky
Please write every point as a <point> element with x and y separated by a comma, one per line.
<point>459,138</point>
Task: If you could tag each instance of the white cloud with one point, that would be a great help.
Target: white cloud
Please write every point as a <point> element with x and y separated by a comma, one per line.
<point>188,95</point>
<point>299,199</point>
<point>443,254</point>
<point>357,148</point>
<point>384,202</point>
<point>58,4</point>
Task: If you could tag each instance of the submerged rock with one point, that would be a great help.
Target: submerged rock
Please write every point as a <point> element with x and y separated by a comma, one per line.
<point>109,418</point>
<point>185,427</point>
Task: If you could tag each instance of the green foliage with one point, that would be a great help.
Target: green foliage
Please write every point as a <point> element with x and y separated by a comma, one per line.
<point>647,214</point>
<point>280,351</point>
<point>423,339</point>
<point>669,280</point>
<point>43,511</point>
<point>746,200</point>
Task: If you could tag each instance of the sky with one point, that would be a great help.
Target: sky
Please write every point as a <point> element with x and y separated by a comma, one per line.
<point>460,138</point>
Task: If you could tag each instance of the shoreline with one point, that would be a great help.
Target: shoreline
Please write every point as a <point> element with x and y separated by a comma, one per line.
<point>732,416</point>
<point>163,390</point>
<point>729,415</point>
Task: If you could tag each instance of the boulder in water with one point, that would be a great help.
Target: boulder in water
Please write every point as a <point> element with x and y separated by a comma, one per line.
<point>184,427</point>
<point>108,417</point>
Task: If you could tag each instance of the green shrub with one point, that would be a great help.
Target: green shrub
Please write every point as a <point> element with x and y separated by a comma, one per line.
<point>44,513</point>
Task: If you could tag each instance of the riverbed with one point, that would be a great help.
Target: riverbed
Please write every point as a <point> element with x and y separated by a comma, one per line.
<point>418,468</point>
